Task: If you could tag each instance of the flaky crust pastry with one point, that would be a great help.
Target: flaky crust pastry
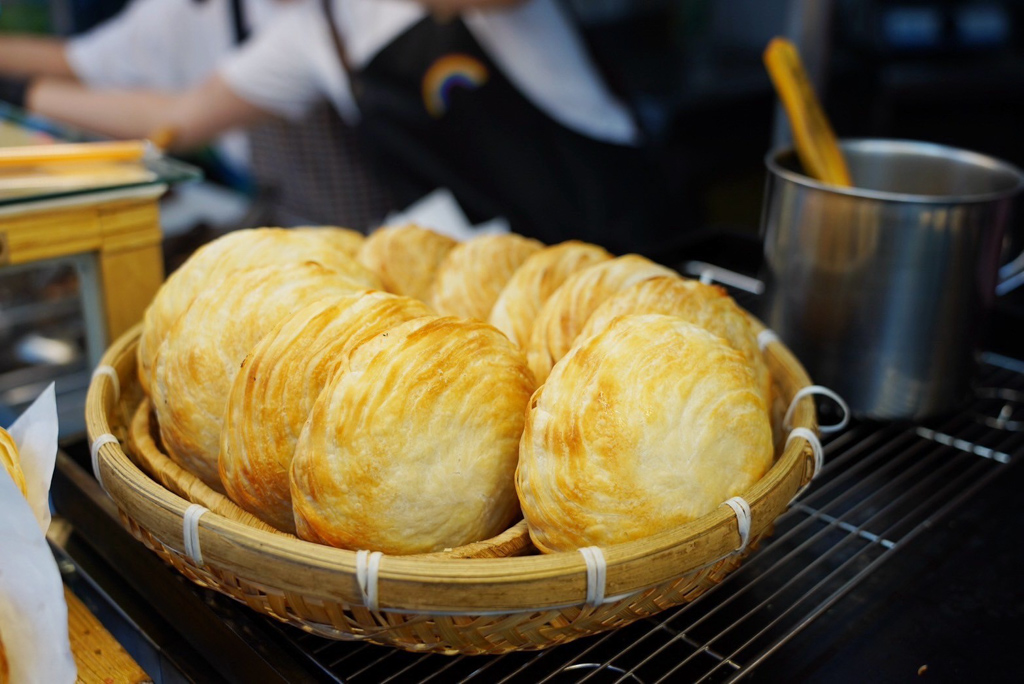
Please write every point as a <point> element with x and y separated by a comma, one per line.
<point>473,274</point>
<point>275,390</point>
<point>238,250</point>
<point>644,426</point>
<point>347,240</point>
<point>534,281</point>
<point>405,258</point>
<point>10,460</point>
<point>412,447</point>
<point>707,306</point>
<point>563,316</point>
<point>197,362</point>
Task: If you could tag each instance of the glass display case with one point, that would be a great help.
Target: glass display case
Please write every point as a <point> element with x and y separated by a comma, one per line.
<point>80,259</point>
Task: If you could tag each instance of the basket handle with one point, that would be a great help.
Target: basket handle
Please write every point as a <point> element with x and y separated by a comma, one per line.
<point>597,574</point>
<point>368,577</point>
<point>741,508</point>
<point>768,336</point>
<point>812,390</point>
<point>115,380</point>
<point>94,453</point>
<point>190,532</point>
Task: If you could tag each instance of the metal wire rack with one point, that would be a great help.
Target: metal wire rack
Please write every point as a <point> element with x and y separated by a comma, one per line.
<point>883,484</point>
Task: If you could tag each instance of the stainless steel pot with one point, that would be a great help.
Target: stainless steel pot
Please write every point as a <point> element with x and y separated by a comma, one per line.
<point>882,290</point>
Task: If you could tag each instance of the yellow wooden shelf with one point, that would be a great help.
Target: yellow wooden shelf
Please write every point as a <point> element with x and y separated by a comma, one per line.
<point>98,656</point>
<point>121,228</point>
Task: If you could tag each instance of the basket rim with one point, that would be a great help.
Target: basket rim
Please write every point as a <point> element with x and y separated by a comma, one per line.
<point>459,586</point>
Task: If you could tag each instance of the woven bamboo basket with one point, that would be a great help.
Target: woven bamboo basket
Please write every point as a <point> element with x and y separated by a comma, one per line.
<point>437,603</point>
<point>145,450</point>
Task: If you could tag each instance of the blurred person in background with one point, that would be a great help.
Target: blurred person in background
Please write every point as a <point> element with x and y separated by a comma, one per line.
<point>498,100</point>
<point>308,171</point>
<point>165,45</point>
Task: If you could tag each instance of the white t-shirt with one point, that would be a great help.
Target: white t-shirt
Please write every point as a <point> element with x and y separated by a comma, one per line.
<point>168,45</point>
<point>293,64</point>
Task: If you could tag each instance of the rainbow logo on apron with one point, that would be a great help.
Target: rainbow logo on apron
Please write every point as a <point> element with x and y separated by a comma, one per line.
<point>447,74</point>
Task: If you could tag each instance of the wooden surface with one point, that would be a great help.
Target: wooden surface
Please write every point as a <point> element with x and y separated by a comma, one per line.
<point>125,236</point>
<point>816,143</point>
<point>108,151</point>
<point>97,654</point>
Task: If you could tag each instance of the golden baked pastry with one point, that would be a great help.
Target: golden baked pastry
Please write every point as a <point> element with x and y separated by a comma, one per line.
<point>537,279</point>
<point>708,306</point>
<point>412,446</point>
<point>647,425</point>
<point>566,311</point>
<point>405,258</point>
<point>10,460</point>
<point>12,465</point>
<point>233,252</point>
<point>274,392</point>
<point>472,275</point>
<point>5,669</point>
<point>198,360</point>
<point>347,240</point>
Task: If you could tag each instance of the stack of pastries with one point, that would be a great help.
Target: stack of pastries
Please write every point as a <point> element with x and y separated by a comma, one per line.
<point>406,393</point>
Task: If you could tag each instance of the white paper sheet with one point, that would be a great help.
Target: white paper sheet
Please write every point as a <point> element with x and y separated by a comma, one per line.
<point>440,212</point>
<point>35,433</point>
<point>33,614</point>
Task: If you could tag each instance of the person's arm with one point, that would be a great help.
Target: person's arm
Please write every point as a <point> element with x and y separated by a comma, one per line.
<point>195,116</point>
<point>31,56</point>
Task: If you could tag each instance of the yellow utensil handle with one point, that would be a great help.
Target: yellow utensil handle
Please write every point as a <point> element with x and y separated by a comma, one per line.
<point>162,138</point>
<point>816,143</point>
<point>128,150</point>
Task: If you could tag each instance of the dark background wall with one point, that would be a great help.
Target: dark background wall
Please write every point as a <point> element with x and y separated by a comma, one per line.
<point>949,71</point>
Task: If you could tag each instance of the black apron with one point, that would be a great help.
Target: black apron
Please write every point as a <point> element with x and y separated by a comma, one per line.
<point>497,152</point>
<point>315,172</point>
<point>312,171</point>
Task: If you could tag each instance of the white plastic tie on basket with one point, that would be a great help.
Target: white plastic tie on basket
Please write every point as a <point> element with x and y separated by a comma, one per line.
<point>94,452</point>
<point>741,508</point>
<point>812,439</point>
<point>367,576</point>
<point>190,532</point>
<point>766,337</point>
<point>109,372</point>
<point>811,390</point>
<point>597,574</point>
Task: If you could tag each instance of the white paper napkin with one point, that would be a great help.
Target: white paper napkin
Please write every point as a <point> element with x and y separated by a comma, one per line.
<point>35,433</point>
<point>440,212</point>
<point>33,613</point>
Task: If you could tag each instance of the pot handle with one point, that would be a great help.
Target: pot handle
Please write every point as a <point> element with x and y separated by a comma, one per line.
<point>1011,276</point>
<point>709,273</point>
